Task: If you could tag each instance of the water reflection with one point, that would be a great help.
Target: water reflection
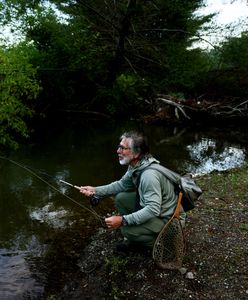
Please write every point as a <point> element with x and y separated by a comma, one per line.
<point>206,157</point>
<point>54,217</point>
<point>16,278</point>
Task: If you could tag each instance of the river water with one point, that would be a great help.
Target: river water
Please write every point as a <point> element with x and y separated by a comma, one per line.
<point>33,211</point>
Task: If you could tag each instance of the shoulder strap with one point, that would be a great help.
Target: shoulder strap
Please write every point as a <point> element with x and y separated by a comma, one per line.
<point>169,174</point>
<point>190,190</point>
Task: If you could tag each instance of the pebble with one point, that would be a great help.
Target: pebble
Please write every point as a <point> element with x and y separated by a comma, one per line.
<point>183,271</point>
<point>189,275</point>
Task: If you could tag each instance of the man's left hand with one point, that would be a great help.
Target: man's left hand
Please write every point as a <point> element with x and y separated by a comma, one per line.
<point>114,222</point>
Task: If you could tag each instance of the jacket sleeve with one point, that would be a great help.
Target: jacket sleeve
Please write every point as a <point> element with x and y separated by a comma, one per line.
<point>122,185</point>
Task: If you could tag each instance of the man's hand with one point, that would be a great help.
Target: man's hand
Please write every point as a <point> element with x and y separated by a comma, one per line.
<point>114,222</point>
<point>88,191</point>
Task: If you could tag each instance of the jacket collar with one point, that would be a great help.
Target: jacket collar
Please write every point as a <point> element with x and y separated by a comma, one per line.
<point>140,166</point>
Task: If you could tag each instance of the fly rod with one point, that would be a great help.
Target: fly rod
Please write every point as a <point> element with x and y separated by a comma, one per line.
<point>75,186</point>
<point>54,188</point>
<point>94,200</point>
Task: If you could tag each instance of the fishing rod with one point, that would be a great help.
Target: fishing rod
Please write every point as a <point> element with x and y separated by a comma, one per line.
<point>94,200</point>
<point>75,186</point>
<point>54,188</point>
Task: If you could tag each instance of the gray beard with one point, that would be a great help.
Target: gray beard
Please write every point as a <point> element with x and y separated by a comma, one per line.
<point>124,161</point>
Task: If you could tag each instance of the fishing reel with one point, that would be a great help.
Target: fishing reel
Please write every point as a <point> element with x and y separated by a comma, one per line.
<point>94,200</point>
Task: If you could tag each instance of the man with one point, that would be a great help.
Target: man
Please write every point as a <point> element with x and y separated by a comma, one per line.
<point>142,213</point>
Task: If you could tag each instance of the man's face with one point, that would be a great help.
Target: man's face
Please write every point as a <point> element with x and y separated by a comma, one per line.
<point>125,154</point>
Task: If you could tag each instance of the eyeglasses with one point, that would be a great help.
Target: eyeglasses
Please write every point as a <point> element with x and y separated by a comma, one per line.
<point>122,148</point>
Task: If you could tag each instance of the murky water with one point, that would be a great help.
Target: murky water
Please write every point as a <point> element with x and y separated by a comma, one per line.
<point>33,214</point>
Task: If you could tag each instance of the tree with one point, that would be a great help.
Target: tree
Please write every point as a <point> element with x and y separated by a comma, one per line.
<point>142,40</point>
<point>125,51</point>
<point>228,78</point>
<point>66,57</point>
<point>140,34</point>
<point>18,89</point>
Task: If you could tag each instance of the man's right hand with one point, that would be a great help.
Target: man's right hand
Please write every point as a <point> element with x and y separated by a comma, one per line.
<point>88,191</point>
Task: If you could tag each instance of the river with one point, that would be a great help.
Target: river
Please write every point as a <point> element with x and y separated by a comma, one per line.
<point>34,213</point>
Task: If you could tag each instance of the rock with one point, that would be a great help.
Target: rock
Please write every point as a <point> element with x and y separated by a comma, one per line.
<point>189,275</point>
<point>183,271</point>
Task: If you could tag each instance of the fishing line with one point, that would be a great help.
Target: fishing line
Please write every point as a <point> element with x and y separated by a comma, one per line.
<point>53,187</point>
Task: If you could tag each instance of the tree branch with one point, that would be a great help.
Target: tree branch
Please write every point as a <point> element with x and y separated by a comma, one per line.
<point>83,3</point>
<point>177,105</point>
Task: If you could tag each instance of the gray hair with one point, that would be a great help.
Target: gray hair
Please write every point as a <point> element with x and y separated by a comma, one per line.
<point>139,142</point>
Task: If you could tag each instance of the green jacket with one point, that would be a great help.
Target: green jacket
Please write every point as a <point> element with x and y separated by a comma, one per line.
<point>157,194</point>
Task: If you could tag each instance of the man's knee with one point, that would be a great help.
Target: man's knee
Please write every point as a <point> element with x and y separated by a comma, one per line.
<point>119,198</point>
<point>125,202</point>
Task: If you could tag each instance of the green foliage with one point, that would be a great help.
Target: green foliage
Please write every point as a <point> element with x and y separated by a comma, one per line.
<point>140,38</point>
<point>244,227</point>
<point>116,265</point>
<point>229,74</point>
<point>107,46</point>
<point>111,56</point>
<point>67,57</point>
<point>187,68</point>
<point>234,53</point>
<point>128,95</point>
<point>18,88</point>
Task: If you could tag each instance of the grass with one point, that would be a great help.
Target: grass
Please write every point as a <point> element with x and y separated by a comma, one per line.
<point>226,185</point>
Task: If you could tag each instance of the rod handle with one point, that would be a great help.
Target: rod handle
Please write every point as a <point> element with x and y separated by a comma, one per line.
<point>75,186</point>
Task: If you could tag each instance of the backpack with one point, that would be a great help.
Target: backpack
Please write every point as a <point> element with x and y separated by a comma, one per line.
<point>191,191</point>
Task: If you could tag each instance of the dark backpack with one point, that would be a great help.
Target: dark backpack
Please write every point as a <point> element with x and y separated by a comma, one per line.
<point>191,191</point>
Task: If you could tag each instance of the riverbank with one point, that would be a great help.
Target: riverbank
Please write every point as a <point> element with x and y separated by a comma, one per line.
<point>214,267</point>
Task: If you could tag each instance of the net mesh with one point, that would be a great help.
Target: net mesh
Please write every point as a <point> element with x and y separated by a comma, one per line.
<point>169,247</point>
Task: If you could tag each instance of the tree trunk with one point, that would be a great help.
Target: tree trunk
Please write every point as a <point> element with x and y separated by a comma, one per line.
<point>123,31</point>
